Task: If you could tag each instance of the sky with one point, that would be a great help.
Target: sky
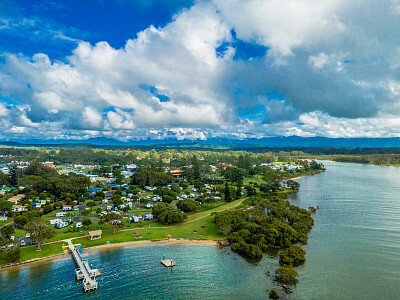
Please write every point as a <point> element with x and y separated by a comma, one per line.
<point>157,69</point>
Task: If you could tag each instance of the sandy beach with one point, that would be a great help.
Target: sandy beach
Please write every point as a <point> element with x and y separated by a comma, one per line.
<point>149,242</point>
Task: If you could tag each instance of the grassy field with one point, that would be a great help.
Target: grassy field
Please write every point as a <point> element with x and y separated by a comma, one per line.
<point>28,253</point>
<point>253,179</point>
<point>204,228</point>
<point>9,220</point>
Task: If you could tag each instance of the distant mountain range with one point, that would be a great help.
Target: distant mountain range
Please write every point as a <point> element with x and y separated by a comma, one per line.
<point>291,141</point>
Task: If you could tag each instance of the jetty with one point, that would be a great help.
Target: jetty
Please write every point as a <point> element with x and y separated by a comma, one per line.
<point>84,271</point>
<point>169,263</point>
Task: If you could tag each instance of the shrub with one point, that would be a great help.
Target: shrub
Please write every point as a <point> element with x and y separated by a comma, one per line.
<point>273,294</point>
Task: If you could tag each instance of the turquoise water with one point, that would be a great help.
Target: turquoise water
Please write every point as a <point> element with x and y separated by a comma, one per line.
<point>352,253</point>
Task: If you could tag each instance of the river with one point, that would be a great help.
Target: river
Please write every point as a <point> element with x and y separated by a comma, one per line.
<point>352,253</point>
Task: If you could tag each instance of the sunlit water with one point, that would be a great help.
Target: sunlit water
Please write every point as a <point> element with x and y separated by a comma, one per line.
<point>352,253</point>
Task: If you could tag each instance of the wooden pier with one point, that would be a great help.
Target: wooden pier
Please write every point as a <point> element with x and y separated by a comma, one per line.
<point>169,263</point>
<point>84,271</point>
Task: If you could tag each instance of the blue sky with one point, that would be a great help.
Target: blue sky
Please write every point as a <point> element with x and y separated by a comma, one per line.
<point>198,69</point>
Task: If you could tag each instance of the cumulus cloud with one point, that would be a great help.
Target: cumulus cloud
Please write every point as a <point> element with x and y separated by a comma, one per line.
<point>329,70</point>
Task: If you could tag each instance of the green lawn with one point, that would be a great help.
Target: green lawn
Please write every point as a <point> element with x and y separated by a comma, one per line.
<point>28,253</point>
<point>9,220</point>
<point>215,209</point>
<point>253,179</point>
<point>209,231</point>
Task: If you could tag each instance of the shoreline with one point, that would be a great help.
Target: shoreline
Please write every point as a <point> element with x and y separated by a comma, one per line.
<point>210,242</point>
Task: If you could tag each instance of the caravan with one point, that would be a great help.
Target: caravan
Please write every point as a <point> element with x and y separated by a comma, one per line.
<point>133,219</point>
<point>61,214</point>
<point>55,221</point>
<point>60,225</point>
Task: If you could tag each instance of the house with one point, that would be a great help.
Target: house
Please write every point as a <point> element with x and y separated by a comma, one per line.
<point>36,204</point>
<point>104,201</point>
<point>131,167</point>
<point>130,205</point>
<point>95,234</point>
<point>67,208</point>
<point>94,190</point>
<point>19,208</point>
<point>109,207</point>
<point>148,205</point>
<point>16,199</point>
<point>49,164</point>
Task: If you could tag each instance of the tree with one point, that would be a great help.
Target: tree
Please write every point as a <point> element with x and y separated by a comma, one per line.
<point>125,209</point>
<point>15,174</point>
<point>188,205</point>
<point>39,230</point>
<point>5,206</point>
<point>86,212</point>
<point>98,210</point>
<point>112,218</point>
<point>47,208</point>
<point>13,253</point>
<point>21,220</point>
<point>167,199</point>
<point>3,179</point>
<point>294,255</point>
<point>7,230</point>
<point>196,168</point>
<point>228,196</point>
<point>91,204</point>
<point>209,199</point>
<point>175,188</point>
<point>86,222</point>
<point>170,217</point>
<point>118,177</point>
<point>286,274</point>
<point>251,190</point>
<point>117,201</point>
<point>273,294</point>
<point>293,185</point>
<point>160,207</point>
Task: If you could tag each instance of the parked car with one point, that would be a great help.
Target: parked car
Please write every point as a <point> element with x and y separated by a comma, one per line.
<point>79,225</point>
<point>22,243</point>
<point>12,238</point>
<point>28,235</point>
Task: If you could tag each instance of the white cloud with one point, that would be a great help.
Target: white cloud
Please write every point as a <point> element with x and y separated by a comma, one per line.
<point>329,70</point>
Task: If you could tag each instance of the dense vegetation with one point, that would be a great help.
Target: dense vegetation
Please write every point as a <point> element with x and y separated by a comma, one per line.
<point>272,224</point>
<point>166,214</point>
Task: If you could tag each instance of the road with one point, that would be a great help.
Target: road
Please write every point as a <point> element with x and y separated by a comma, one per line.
<point>79,215</point>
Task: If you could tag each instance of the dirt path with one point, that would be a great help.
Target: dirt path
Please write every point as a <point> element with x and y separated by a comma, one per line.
<point>209,214</point>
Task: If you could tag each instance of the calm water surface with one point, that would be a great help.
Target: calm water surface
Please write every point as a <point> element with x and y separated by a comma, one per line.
<point>353,253</point>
